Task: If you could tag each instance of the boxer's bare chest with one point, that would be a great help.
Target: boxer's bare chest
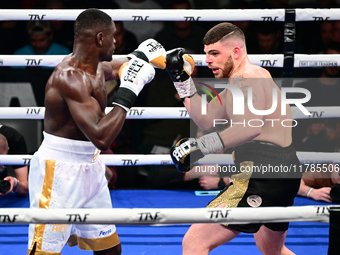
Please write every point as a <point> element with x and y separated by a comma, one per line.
<point>99,89</point>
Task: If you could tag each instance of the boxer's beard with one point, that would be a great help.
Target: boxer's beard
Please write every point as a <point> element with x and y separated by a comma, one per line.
<point>227,68</point>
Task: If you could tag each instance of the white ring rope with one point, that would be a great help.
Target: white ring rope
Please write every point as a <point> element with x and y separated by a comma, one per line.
<point>304,14</point>
<point>152,216</point>
<point>308,14</point>
<point>319,60</point>
<point>317,112</point>
<point>265,60</point>
<point>312,158</point>
<point>269,60</point>
<point>150,15</point>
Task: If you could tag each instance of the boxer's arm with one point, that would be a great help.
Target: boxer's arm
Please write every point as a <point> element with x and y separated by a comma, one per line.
<point>111,68</point>
<point>214,111</point>
<point>100,129</point>
<point>240,131</point>
<point>180,67</point>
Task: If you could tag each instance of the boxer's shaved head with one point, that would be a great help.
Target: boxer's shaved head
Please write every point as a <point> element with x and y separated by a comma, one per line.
<point>223,31</point>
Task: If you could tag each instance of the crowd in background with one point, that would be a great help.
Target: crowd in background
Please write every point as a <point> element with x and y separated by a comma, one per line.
<point>157,136</point>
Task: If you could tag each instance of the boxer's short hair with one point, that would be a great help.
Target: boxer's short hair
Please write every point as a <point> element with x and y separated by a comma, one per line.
<point>222,31</point>
<point>90,19</point>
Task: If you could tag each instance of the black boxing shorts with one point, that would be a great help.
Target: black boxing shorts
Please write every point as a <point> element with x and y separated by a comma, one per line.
<point>257,188</point>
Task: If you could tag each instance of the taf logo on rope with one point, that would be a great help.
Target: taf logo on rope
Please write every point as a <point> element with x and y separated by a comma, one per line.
<point>204,97</point>
<point>147,216</point>
<point>140,18</point>
<point>219,214</point>
<point>7,218</point>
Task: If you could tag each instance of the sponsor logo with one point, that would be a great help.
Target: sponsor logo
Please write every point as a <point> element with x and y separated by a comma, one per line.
<point>129,162</point>
<point>318,63</point>
<point>133,70</point>
<point>219,214</point>
<point>147,216</point>
<point>33,62</point>
<point>166,162</point>
<point>198,63</point>
<point>322,210</point>
<point>191,18</point>
<point>267,62</point>
<point>36,16</point>
<point>254,200</point>
<point>136,112</point>
<point>183,113</point>
<point>269,18</point>
<point>104,233</point>
<point>60,228</point>
<point>315,114</point>
<point>140,18</point>
<point>7,218</point>
<point>77,217</point>
<point>154,46</point>
<point>182,150</point>
<point>320,18</point>
<point>27,161</point>
<point>33,111</point>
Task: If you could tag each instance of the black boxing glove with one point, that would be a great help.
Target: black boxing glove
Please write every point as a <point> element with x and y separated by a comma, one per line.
<point>187,151</point>
<point>180,67</point>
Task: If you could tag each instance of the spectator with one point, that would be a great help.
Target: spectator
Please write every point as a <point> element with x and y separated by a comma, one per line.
<point>62,29</point>
<point>317,185</point>
<point>268,41</point>
<point>41,41</point>
<point>320,134</point>
<point>320,39</point>
<point>141,29</point>
<point>183,34</point>
<point>126,42</point>
<point>336,30</point>
<point>14,144</point>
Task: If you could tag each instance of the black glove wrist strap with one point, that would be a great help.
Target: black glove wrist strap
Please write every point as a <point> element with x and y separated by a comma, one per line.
<point>125,97</point>
<point>141,55</point>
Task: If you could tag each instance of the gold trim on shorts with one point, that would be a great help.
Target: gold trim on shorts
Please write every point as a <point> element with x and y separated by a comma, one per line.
<point>44,203</point>
<point>234,193</point>
<point>98,244</point>
<point>43,252</point>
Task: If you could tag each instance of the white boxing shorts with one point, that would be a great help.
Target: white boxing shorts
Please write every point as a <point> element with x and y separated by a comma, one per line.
<point>67,173</point>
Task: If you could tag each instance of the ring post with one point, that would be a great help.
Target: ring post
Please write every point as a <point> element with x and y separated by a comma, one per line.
<point>334,230</point>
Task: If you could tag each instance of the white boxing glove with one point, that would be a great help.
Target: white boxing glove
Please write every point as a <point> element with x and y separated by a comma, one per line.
<point>133,76</point>
<point>151,51</point>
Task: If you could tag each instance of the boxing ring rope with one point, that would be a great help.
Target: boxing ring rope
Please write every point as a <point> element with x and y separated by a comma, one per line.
<point>306,14</point>
<point>265,60</point>
<point>162,112</point>
<point>312,158</point>
<point>149,15</point>
<point>152,216</point>
<point>155,216</point>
